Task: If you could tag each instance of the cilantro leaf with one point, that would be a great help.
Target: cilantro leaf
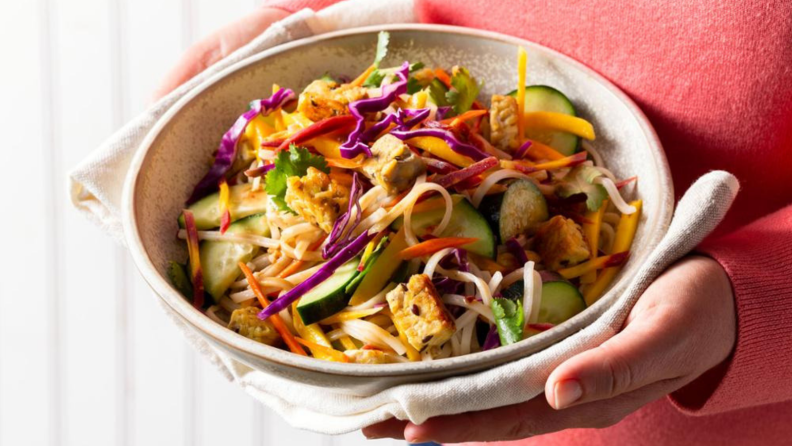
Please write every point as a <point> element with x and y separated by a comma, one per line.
<point>413,86</point>
<point>509,319</point>
<point>290,163</point>
<point>374,79</point>
<point>383,38</point>
<point>437,93</point>
<point>464,90</point>
<point>580,180</point>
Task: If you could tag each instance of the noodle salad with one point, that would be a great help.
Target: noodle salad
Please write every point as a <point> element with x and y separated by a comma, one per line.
<point>396,217</point>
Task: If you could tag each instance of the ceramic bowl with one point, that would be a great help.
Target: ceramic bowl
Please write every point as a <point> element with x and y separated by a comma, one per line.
<point>173,158</point>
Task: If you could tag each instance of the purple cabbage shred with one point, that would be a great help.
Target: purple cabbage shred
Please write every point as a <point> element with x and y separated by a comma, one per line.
<point>337,239</point>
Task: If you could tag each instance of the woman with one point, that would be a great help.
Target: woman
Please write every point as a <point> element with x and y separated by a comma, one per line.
<point>714,333</point>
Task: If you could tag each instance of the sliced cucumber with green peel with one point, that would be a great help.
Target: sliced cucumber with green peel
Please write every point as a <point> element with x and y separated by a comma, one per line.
<point>546,98</point>
<point>522,208</point>
<point>560,302</point>
<point>242,201</point>
<point>466,221</point>
<point>329,297</point>
<point>220,260</point>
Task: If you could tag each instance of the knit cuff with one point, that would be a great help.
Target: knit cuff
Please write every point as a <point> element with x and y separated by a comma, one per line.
<point>758,260</point>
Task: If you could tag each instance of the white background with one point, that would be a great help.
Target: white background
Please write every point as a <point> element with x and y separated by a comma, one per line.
<point>86,358</point>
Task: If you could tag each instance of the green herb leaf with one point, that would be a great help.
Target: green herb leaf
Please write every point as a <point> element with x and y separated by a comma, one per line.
<point>177,273</point>
<point>509,319</point>
<point>464,90</point>
<point>413,86</point>
<point>580,180</point>
<point>437,93</point>
<point>374,79</point>
<point>289,163</point>
<point>382,47</point>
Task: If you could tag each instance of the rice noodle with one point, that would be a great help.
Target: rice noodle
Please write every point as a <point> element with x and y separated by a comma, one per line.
<point>434,260</point>
<point>298,229</point>
<point>537,298</point>
<point>373,334</point>
<point>307,255</point>
<point>594,153</point>
<point>216,236</point>
<point>466,339</point>
<point>512,277</point>
<point>426,355</point>
<point>528,290</point>
<point>492,180</point>
<point>419,189</point>
<point>611,218</point>
<point>211,313</point>
<point>456,348</point>
<point>478,307</point>
<point>495,282</point>
<point>298,277</point>
<point>336,334</point>
<point>483,289</point>
<point>615,196</point>
<point>378,298</point>
<point>409,236</point>
<point>259,262</point>
<point>606,243</point>
<point>468,317</point>
<point>228,304</point>
<point>605,171</point>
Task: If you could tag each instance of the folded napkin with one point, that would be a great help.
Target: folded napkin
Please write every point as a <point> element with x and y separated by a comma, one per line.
<point>96,186</point>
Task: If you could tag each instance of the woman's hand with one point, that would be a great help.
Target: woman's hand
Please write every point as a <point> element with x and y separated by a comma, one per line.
<point>218,45</point>
<point>682,326</point>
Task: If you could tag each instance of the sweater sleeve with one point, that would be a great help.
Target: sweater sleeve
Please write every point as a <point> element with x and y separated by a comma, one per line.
<point>293,6</point>
<point>758,260</point>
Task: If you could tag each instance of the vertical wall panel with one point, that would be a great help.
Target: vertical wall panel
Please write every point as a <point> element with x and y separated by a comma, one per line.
<point>25,292</point>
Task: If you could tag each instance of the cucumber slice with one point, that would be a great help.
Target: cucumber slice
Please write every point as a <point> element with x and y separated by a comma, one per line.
<point>243,202</point>
<point>177,273</point>
<point>522,208</point>
<point>329,297</point>
<point>353,284</point>
<point>220,260</point>
<point>466,221</point>
<point>560,301</point>
<point>546,98</point>
<point>490,209</point>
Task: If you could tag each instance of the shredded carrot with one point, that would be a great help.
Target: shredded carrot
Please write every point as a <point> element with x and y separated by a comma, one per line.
<point>297,264</point>
<point>432,246</point>
<point>363,76</point>
<point>396,199</point>
<point>277,322</point>
<point>331,352</point>
<point>470,114</point>
<point>443,77</point>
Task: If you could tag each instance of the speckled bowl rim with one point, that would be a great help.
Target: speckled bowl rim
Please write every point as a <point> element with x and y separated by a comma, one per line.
<point>462,364</point>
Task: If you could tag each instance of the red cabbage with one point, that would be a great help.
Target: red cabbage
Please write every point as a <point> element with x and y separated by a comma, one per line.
<point>467,173</point>
<point>492,340</point>
<point>520,153</point>
<point>517,250</point>
<point>447,285</point>
<point>328,268</point>
<point>354,145</point>
<point>442,112</point>
<point>335,242</point>
<point>228,144</point>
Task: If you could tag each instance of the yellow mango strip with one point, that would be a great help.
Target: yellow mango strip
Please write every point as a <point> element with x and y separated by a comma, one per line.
<point>560,122</point>
<point>522,62</point>
<point>434,203</point>
<point>625,233</point>
<point>349,315</point>
<point>342,163</point>
<point>340,177</point>
<point>380,319</point>
<point>412,353</point>
<point>381,271</point>
<point>321,352</point>
<point>440,149</point>
<point>591,230</point>
<point>224,202</point>
<point>326,146</point>
<point>297,118</point>
<point>346,341</point>
<point>417,100</point>
<point>313,334</point>
<point>612,260</point>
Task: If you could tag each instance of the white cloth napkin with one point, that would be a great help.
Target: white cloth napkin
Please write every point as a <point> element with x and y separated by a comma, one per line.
<point>96,186</point>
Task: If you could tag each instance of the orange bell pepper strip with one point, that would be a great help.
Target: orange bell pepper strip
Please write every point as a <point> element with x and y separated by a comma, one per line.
<point>625,233</point>
<point>539,151</point>
<point>432,246</point>
<point>297,264</point>
<point>440,149</point>
<point>529,167</point>
<point>277,322</point>
<point>319,128</point>
<point>522,62</point>
<point>591,230</point>
<point>443,77</point>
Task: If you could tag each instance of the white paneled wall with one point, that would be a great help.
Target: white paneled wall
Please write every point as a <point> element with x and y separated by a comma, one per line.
<point>86,357</point>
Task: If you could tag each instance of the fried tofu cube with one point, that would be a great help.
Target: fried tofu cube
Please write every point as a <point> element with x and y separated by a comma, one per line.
<point>322,99</point>
<point>420,314</point>
<point>503,123</point>
<point>245,321</point>
<point>393,165</point>
<point>316,198</point>
<point>367,356</point>
<point>560,243</point>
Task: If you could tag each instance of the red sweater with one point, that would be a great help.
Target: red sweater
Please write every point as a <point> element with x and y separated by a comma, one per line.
<point>715,79</point>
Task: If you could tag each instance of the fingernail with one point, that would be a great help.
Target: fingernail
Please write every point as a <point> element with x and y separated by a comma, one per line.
<point>417,440</point>
<point>566,393</point>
